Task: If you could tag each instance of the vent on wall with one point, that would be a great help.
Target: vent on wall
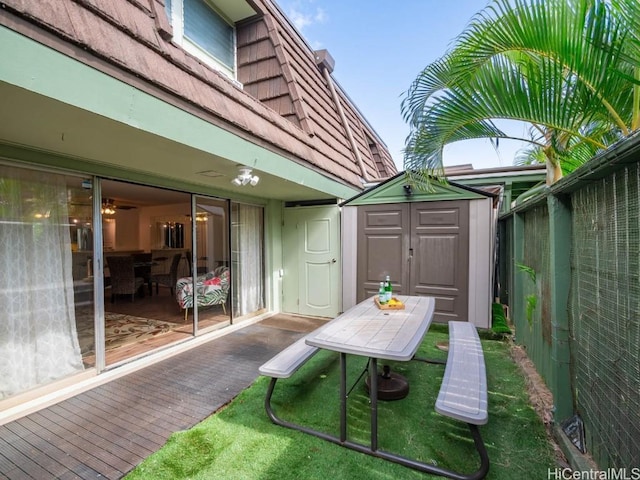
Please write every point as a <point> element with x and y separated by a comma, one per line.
<point>312,203</point>
<point>324,60</point>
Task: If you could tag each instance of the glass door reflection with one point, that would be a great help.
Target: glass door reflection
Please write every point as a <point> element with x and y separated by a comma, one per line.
<point>211,277</point>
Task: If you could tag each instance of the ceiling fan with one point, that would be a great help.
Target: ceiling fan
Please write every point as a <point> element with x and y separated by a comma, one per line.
<point>109,206</point>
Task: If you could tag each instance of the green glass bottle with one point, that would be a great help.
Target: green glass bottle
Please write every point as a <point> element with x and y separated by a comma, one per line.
<point>382,294</point>
<point>388,289</point>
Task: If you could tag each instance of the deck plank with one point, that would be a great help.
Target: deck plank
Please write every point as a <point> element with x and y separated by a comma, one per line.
<point>107,406</point>
<point>106,431</point>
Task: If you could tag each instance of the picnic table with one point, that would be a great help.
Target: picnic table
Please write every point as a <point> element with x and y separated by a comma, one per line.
<point>367,331</point>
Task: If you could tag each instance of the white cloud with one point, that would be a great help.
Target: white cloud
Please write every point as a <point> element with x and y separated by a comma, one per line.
<point>320,16</point>
<point>299,19</point>
<point>302,14</point>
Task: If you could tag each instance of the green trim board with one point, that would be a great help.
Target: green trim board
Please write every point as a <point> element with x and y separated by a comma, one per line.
<point>42,70</point>
<point>78,166</point>
<point>393,191</point>
<point>514,185</point>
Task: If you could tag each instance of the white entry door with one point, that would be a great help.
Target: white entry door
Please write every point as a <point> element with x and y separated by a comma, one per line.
<point>311,259</point>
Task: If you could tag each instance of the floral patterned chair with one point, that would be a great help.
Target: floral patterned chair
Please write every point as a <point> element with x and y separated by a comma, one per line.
<point>212,288</point>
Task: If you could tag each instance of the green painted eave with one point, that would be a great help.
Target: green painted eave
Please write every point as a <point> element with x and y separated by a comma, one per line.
<point>517,185</point>
<point>393,191</point>
<point>72,110</point>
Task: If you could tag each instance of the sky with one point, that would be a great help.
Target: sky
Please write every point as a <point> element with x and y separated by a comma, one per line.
<point>379,48</point>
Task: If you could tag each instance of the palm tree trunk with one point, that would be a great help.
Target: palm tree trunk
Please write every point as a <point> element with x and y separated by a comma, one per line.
<point>635,121</point>
<point>554,170</point>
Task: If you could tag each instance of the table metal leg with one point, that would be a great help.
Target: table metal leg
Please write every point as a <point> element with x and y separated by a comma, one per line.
<point>373,448</point>
<point>373,395</point>
<point>343,397</point>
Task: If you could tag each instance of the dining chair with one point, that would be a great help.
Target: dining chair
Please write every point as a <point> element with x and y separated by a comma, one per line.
<point>142,265</point>
<point>123,277</point>
<point>168,279</point>
<point>187,255</point>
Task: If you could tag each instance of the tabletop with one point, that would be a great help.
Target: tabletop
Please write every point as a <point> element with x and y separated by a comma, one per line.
<point>369,331</point>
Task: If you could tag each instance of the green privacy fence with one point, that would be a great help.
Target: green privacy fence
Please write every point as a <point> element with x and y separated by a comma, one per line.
<point>604,312</point>
<point>574,297</point>
<point>534,329</point>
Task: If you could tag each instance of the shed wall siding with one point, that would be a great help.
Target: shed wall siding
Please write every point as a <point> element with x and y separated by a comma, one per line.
<point>480,262</point>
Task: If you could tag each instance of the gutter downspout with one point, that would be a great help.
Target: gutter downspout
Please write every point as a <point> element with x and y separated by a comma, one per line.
<point>325,63</point>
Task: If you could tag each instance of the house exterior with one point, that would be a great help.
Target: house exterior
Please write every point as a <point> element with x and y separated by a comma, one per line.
<point>207,130</point>
<point>512,183</point>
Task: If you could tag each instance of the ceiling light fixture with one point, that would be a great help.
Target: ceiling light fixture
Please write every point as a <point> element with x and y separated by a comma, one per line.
<point>245,178</point>
<point>108,208</point>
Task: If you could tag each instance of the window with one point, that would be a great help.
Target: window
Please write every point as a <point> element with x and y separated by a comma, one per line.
<point>203,32</point>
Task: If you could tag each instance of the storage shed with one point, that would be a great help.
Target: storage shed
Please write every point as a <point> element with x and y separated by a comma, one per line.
<point>439,243</point>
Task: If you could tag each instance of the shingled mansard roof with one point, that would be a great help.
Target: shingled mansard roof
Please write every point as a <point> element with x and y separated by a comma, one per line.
<point>285,97</point>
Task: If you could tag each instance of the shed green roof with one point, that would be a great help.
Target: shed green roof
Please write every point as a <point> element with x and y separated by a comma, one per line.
<point>393,191</point>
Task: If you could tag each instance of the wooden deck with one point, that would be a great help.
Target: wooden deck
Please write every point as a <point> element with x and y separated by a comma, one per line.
<point>105,432</point>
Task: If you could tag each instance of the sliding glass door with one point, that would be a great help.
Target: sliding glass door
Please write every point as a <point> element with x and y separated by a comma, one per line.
<point>211,280</point>
<point>146,240</point>
<point>46,290</point>
<point>170,265</point>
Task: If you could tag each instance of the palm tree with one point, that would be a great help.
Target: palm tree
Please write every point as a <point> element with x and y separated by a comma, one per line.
<point>568,68</point>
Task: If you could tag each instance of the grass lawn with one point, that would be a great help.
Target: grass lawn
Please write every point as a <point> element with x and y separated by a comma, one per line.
<point>240,442</point>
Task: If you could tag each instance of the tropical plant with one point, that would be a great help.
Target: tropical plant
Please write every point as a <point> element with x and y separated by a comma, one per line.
<point>568,68</point>
<point>532,299</point>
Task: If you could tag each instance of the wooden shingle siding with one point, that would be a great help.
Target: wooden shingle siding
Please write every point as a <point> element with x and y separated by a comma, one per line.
<point>284,102</point>
<point>262,71</point>
<point>263,83</point>
<point>375,153</point>
<point>316,100</point>
<point>318,103</point>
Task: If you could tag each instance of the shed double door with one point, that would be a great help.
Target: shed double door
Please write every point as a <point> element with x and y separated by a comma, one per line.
<point>423,247</point>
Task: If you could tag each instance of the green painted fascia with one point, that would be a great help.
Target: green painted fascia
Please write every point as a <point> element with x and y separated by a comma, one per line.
<point>524,179</point>
<point>40,69</point>
<point>393,191</point>
<point>80,166</point>
<point>513,185</point>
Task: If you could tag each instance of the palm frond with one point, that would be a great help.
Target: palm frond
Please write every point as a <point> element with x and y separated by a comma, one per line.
<point>558,64</point>
<point>629,13</point>
<point>530,155</point>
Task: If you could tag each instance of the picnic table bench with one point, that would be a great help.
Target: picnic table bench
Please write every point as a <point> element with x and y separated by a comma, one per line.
<point>286,362</point>
<point>283,365</point>
<point>462,395</point>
